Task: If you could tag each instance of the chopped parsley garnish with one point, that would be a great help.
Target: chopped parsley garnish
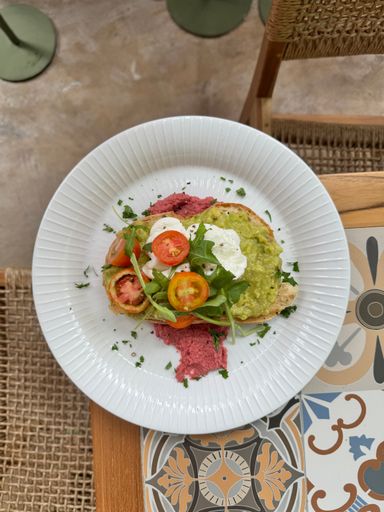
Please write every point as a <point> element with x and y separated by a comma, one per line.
<point>222,178</point>
<point>85,272</point>
<point>145,213</point>
<point>182,188</point>
<point>188,182</point>
<point>159,195</point>
<point>288,311</point>
<point>139,362</point>
<point>268,214</point>
<point>286,277</point>
<point>295,266</point>
<point>216,338</point>
<point>168,366</point>
<point>128,213</point>
<point>282,241</point>
<point>227,189</point>
<point>108,229</point>
<point>114,347</point>
<point>106,267</point>
<point>253,344</point>
<point>240,192</point>
<point>120,202</point>
<point>81,285</point>
<point>124,342</point>
<point>224,373</point>
<point>230,181</point>
<point>185,383</point>
<point>264,330</point>
<point>130,198</point>
<point>134,334</point>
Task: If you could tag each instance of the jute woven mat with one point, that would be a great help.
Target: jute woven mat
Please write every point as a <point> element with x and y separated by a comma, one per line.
<point>45,438</point>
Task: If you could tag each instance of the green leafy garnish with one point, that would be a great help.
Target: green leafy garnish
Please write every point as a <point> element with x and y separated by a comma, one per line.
<point>230,181</point>
<point>268,214</point>
<point>216,338</point>
<point>160,278</point>
<point>152,287</point>
<point>147,247</point>
<point>165,313</point>
<point>129,237</point>
<point>124,342</point>
<point>134,334</point>
<point>158,196</point>
<point>286,277</point>
<point>85,272</point>
<point>108,228</point>
<point>168,366</point>
<point>81,285</point>
<point>227,189</point>
<point>139,362</point>
<point>241,192</point>
<point>234,291</point>
<point>288,311</point>
<point>145,213</point>
<point>201,250</point>
<point>263,330</point>
<point>119,202</point>
<point>224,373</point>
<point>114,347</point>
<point>128,213</point>
<point>222,178</point>
<point>295,266</point>
<point>185,383</point>
<point>106,267</point>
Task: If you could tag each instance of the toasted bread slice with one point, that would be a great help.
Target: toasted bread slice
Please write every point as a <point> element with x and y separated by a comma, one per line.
<point>286,294</point>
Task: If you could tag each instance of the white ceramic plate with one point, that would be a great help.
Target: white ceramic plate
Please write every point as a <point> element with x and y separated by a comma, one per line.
<point>160,157</point>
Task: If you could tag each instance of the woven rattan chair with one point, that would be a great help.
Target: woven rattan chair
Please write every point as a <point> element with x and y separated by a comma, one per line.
<point>302,29</point>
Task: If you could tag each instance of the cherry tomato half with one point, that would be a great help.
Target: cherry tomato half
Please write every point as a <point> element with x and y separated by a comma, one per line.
<point>187,291</point>
<point>126,292</point>
<point>171,247</point>
<point>181,322</point>
<point>116,255</point>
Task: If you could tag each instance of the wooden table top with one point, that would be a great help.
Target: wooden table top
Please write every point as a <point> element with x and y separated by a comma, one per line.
<point>359,198</point>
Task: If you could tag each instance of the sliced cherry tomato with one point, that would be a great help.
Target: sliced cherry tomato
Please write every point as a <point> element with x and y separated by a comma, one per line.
<point>181,322</point>
<point>187,291</point>
<point>126,291</point>
<point>116,255</point>
<point>171,247</point>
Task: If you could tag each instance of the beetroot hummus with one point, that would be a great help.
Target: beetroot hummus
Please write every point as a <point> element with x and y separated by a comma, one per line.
<point>194,343</point>
<point>197,350</point>
<point>182,204</point>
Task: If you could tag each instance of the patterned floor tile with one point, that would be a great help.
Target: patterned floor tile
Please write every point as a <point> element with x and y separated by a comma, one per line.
<point>357,360</point>
<point>344,451</point>
<point>256,468</point>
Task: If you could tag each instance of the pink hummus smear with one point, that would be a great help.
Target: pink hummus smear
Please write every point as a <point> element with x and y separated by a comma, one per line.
<point>195,344</point>
<point>182,204</point>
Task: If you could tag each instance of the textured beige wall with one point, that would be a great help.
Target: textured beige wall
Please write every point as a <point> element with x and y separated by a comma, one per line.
<point>123,62</point>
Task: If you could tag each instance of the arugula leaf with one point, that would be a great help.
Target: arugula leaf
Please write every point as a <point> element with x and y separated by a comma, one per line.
<point>220,277</point>
<point>201,250</point>
<point>160,279</point>
<point>129,237</point>
<point>216,301</point>
<point>147,247</point>
<point>152,287</point>
<point>166,313</point>
<point>234,291</point>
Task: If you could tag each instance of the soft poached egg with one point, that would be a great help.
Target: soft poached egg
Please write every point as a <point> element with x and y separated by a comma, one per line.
<point>226,248</point>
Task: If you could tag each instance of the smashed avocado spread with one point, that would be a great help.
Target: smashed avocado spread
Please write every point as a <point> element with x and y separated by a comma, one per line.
<point>263,259</point>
